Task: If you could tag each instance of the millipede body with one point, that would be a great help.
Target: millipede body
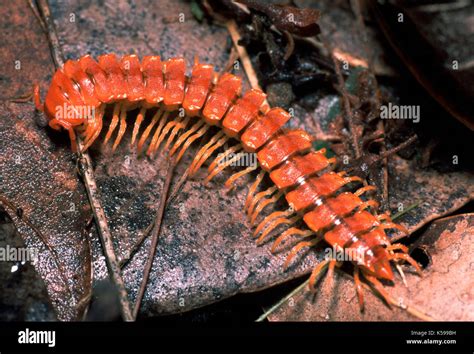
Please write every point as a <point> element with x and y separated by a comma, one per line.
<point>319,199</point>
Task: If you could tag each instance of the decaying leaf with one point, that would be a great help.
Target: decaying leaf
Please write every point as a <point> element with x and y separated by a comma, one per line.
<point>445,292</point>
<point>302,22</point>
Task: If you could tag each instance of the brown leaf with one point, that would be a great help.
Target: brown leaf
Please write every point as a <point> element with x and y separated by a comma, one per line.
<point>435,43</point>
<point>302,22</point>
<point>444,293</point>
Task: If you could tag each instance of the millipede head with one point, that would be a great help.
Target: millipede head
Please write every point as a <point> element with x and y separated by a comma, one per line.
<point>377,263</point>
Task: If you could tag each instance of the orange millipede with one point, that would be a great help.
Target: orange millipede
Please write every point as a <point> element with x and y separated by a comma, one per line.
<point>316,194</point>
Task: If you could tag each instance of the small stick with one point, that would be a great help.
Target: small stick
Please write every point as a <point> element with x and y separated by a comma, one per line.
<point>345,100</point>
<point>87,173</point>
<point>154,237</point>
<point>124,261</point>
<point>244,57</point>
<point>403,212</point>
<point>397,148</point>
<point>282,301</point>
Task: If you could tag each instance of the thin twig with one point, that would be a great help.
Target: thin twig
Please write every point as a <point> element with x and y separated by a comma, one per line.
<point>154,236</point>
<point>403,212</point>
<point>397,148</point>
<point>124,261</point>
<point>87,173</point>
<point>244,57</point>
<point>345,101</point>
<point>282,301</point>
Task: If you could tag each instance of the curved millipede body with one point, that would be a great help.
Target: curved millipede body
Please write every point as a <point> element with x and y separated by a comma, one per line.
<point>319,199</point>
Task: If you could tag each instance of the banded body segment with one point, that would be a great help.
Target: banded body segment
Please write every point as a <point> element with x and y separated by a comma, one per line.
<point>244,111</point>
<point>325,214</point>
<point>134,87</point>
<point>224,93</point>
<point>282,147</point>
<point>98,77</point>
<point>115,78</point>
<point>315,188</point>
<point>174,70</point>
<point>263,129</point>
<point>298,167</point>
<point>198,88</point>
<point>152,69</point>
<point>73,71</point>
<point>55,97</point>
<point>62,100</point>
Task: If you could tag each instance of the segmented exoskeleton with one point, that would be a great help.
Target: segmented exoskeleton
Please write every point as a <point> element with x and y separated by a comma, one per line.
<point>315,194</point>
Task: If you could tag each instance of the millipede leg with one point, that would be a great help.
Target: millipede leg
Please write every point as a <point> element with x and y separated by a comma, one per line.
<point>290,232</point>
<point>37,98</point>
<point>113,123</point>
<point>398,246</point>
<point>274,224</point>
<point>392,225</point>
<point>160,134</point>
<point>97,126</point>
<point>203,149</point>
<point>148,129</point>
<point>263,205</point>
<point>379,287</point>
<point>191,139</point>
<point>97,131</point>
<point>369,204</point>
<point>181,125</point>
<point>400,271</point>
<point>332,161</point>
<point>272,216</point>
<point>362,190</point>
<point>409,259</point>
<point>316,273</point>
<point>138,123</point>
<point>91,128</point>
<point>224,155</point>
<point>230,182</point>
<point>353,179</point>
<point>332,265</point>
<point>183,137</point>
<point>216,169</point>
<point>253,188</point>
<point>157,133</point>
<point>358,286</point>
<point>122,129</point>
<point>72,137</point>
<point>294,251</point>
<point>259,196</point>
<point>207,154</point>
